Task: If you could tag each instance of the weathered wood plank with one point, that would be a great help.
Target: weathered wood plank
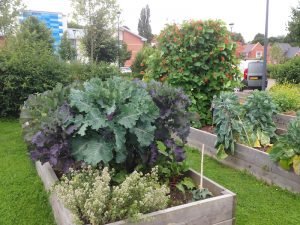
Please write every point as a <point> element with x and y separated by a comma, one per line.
<point>253,160</point>
<point>216,210</point>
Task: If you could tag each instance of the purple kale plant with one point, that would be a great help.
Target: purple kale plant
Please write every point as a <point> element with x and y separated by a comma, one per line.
<point>53,144</point>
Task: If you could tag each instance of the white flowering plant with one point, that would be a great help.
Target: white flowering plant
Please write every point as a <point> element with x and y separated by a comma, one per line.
<point>92,198</point>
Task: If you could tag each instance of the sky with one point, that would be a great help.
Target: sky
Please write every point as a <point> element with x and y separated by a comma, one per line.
<point>248,16</point>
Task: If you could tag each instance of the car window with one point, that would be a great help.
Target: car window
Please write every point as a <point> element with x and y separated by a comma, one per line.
<point>255,67</point>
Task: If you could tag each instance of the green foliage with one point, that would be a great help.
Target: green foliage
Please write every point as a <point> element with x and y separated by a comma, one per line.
<point>114,119</point>
<point>260,109</point>
<point>124,54</point>
<point>228,124</point>
<point>66,50</point>
<point>140,63</point>
<point>286,96</point>
<point>99,17</point>
<point>91,197</point>
<point>294,26</point>
<point>287,150</point>
<point>26,68</point>
<point>238,37</point>
<point>33,30</point>
<point>250,124</point>
<point>201,194</point>
<point>258,38</point>
<point>199,57</point>
<point>289,72</point>
<point>40,110</point>
<point>277,55</point>
<point>144,27</point>
<point>9,11</point>
<point>81,72</point>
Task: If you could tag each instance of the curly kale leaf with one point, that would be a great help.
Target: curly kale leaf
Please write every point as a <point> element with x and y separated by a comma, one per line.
<point>115,115</point>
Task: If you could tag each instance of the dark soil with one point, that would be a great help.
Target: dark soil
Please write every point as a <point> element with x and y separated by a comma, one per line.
<point>209,129</point>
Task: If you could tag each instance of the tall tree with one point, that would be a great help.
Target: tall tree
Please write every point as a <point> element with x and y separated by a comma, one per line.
<point>34,30</point>
<point>144,27</point>
<point>277,39</point>
<point>294,26</point>
<point>259,37</point>
<point>99,18</point>
<point>277,55</point>
<point>9,11</point>
<point>238,37</point>
<point>66,50</point>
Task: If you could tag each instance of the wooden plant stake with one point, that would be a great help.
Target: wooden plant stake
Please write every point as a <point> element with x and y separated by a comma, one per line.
<point>201,169</point>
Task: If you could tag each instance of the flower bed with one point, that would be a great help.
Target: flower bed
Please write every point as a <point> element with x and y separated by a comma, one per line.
<point>219,209</point>
<point>254,161</point>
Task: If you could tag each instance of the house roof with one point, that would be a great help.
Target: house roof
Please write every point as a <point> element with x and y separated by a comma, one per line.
<point>284,47</point>
<point>288,50</point>
<point>248,48</point>
<point>293,51</point>
<point>124,28</point>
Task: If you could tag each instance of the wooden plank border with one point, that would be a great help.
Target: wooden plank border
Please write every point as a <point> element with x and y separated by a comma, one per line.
<point>246,158</point>
<point>218,210</point>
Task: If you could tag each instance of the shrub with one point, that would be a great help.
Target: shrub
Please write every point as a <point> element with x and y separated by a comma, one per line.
<point>289,72</point>
<point>286,96</point>
<point>91,198</point>
<point>140,64</point>
<point>287,150</point>
<point>199,57</point>
<point>26,68</point>
<point>82,72</point>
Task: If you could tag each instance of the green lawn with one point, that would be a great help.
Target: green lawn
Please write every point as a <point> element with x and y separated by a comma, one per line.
<point>23,200</point>
<point>257,202</point>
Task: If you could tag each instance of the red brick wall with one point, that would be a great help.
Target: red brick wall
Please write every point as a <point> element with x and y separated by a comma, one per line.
<point>134,44</point>
<point>257,48</point>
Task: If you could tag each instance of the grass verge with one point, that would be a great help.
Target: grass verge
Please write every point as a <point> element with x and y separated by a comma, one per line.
<point>257,202</point>
<point>23,200</point>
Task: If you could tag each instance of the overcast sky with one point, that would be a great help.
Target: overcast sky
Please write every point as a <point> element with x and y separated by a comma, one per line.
<point>248,16</point>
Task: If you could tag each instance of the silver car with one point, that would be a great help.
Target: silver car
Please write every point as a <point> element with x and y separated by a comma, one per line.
<point>253,75</point>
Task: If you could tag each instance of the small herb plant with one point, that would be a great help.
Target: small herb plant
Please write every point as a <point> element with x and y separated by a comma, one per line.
<point>287,150</point>
<point>92,199</point>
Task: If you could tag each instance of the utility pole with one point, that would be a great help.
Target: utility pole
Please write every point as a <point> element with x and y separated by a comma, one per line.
<point>264,78</point>
<point>118,13</point>
<point>231,26</point>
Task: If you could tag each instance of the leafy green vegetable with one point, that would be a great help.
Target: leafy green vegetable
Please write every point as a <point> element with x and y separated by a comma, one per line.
<point>260,110</point>
<point>287,150</point>
<point>115,120</point>
<point>201,194</point>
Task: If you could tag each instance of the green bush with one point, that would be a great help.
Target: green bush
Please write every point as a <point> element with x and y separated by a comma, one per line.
<point>286,96</point>
<point>272,70</point>
<point>199,57</point>
<point>26,68</point>
<point>140,63</point>
<point>82,72</point>
<point>289,72</point>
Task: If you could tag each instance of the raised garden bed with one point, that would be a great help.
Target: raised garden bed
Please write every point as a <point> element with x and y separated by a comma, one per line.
<point>282,120</point>
<point>218,210</point>
<point>246,158</point>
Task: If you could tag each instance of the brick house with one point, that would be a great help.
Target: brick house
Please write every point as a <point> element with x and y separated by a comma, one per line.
<point>254,51</point>
<point>134,42</point>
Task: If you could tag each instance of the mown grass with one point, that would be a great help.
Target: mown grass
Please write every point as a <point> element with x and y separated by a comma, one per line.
<point>257,202</point>
<point>23,200</point>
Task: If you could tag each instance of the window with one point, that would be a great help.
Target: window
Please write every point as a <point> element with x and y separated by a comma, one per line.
<point>258,54</point>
